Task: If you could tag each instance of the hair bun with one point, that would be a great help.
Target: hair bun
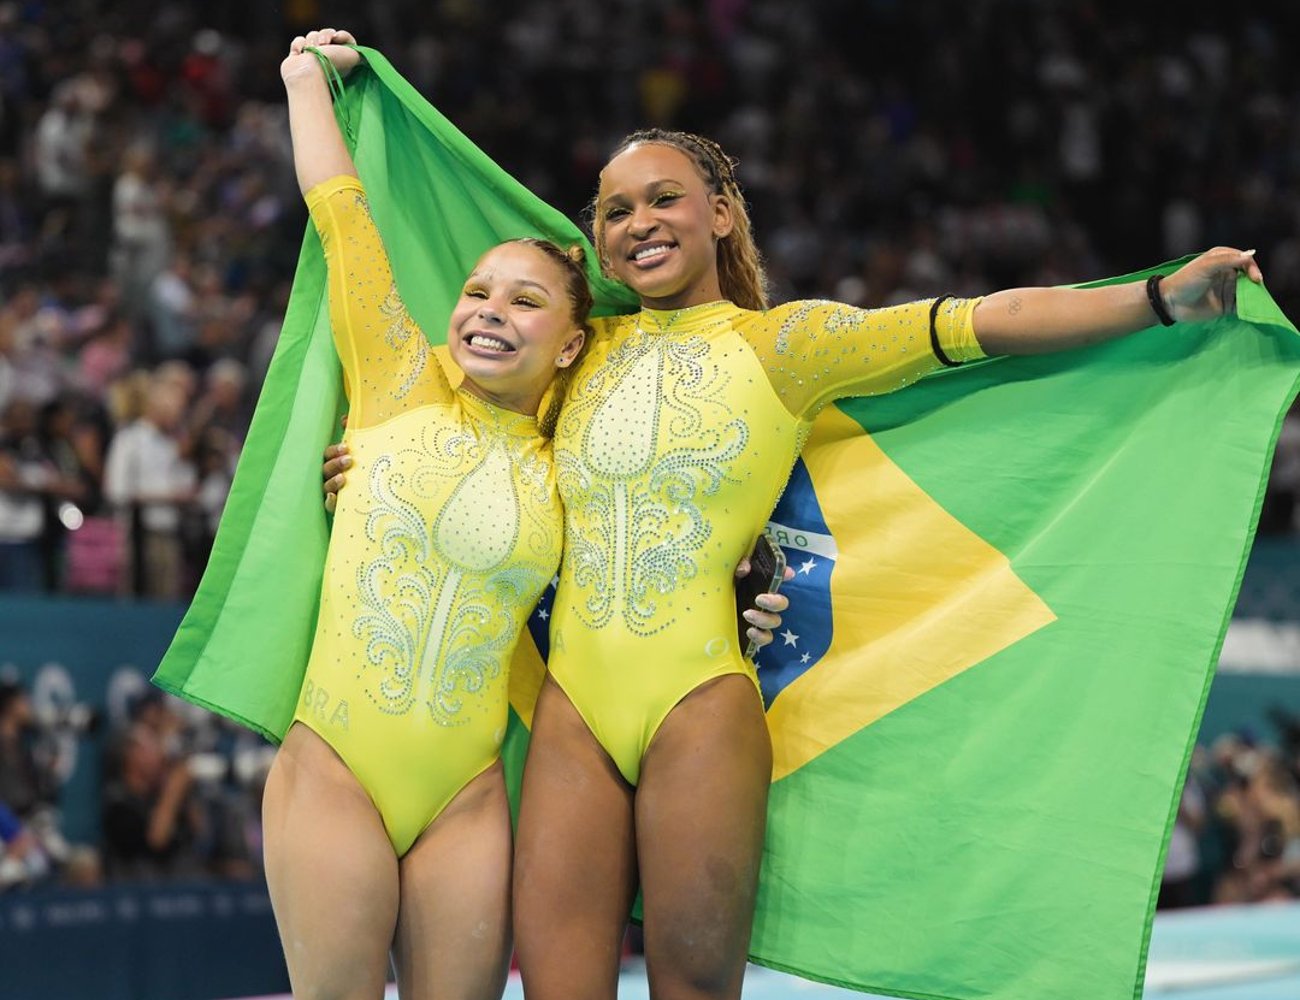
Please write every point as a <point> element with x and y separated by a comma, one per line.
<point>576,254</point>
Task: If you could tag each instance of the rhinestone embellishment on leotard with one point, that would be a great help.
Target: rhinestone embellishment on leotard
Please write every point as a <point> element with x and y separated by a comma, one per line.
<point>442,601</point>
<point>640,442</point>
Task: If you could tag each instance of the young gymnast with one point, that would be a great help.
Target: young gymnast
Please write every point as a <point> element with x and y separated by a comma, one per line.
<point>385,812</point>
<point>650,760</point>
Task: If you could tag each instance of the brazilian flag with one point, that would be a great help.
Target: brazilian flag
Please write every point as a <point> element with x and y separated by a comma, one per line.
<point>1000,642</point>
<point>1012,583</point>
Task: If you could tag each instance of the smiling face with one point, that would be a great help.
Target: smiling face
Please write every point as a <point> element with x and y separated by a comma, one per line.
<point>514,327</point>
<point>658,224</point>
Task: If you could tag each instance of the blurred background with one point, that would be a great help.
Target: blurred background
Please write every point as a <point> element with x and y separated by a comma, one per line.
<point>150,224</point>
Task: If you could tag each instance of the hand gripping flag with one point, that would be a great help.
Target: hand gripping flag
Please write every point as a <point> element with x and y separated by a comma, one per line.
<point>1013,580</point>
<point>440,203</point>
<point>986,692</point>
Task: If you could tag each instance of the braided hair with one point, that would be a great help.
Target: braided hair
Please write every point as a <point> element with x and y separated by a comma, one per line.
<point>740,268</point>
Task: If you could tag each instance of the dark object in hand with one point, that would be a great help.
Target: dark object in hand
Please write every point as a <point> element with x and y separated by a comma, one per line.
<point>766,572</point>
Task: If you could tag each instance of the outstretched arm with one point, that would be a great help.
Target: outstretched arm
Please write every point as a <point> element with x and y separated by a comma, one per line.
<point>1039,320</point>
<point>318,150</point>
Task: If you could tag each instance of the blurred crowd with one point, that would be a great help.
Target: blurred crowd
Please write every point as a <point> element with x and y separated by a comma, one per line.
<point>180,798</point>
<point>149,222</point>
<point>180,794</point>
<point>148,232</point>
<point>1236,837</point>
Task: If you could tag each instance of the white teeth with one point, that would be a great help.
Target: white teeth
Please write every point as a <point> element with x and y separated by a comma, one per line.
<point>490,343</point>
<point>649,252</point>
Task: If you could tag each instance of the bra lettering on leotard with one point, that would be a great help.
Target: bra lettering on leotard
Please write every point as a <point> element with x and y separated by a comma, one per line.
<point>324,707</point>
<point>635,528</point>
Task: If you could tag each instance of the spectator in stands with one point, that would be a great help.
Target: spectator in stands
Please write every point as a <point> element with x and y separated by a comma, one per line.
<point>1269,854</point>
<point>21,859</point>
<point>152,711</point>
<point>31,332</point>
<point>141,235</point>
<point>1179,885</point>
<point>106,356</point>
<point>22,511</point>
<point>1257,814</point>
<point>173,308</point>
<point>30,483</point>
<point>24,785</point>
<point>61,149</point>
<point>149,479</point>
<point>151,821</point>
<point>228,767</point>
<point>222,405</point>
<point>34,845</point>
<point>182,376</point>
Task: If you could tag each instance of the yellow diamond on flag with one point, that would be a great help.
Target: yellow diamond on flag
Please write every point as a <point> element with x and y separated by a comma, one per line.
<point>933,600</point>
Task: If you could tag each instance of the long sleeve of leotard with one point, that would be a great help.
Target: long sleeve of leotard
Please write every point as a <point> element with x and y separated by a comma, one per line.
<point>815,351</point>
<point>388,364</point>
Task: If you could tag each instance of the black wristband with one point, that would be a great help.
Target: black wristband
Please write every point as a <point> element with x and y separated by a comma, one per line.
<point>944,360</point>
<point>1158,301</point>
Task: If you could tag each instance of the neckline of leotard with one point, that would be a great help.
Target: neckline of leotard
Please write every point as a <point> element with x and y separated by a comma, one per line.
<point>498,417</point>
<point>689,318</point>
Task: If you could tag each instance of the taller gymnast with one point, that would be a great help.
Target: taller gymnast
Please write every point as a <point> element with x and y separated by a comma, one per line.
<point>650,759</point>
<point>385,814</point>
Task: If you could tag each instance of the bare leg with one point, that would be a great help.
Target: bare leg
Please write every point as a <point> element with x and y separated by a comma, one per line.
<point>701,811</point>
<point>575,859</point>
<point>453,928</point>
<point>331,871</point>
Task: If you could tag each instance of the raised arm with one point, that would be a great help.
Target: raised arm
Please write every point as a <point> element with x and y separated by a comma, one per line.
<point>388,364</point>
<point>1041,320</point>
<point>318,150</point>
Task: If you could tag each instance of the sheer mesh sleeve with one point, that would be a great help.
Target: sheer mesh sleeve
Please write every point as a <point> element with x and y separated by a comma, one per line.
<point>387,361</point>
<point>816,352</point>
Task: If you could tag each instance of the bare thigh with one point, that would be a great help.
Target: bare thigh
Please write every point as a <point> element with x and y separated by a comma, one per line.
<point>701,812</point>
<point>575,859</point>
<point>331,872</point>
<point>453,925</point>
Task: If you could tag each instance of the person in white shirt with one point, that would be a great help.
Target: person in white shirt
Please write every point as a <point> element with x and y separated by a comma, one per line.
<point>141,234</point>
<point>147,466</point>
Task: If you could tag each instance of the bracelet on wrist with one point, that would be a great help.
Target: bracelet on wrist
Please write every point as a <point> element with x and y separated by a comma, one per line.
<point>1157,301</point>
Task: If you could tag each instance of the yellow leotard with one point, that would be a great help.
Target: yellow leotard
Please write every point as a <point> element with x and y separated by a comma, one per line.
<point>448,533</point>
<point>678,433</point>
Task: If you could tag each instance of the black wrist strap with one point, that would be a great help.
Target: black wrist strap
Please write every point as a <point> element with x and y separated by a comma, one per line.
<point>944,360</point>
<point>1158,301</point>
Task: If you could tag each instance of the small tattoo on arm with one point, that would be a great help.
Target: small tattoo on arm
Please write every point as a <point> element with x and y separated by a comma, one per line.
<point>1015,306</point>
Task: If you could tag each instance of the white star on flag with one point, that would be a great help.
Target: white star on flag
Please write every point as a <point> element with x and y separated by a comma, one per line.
<point>541,613</point>
<point>807,567</point>
<point>805,658</point>
<point>789,637</point>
